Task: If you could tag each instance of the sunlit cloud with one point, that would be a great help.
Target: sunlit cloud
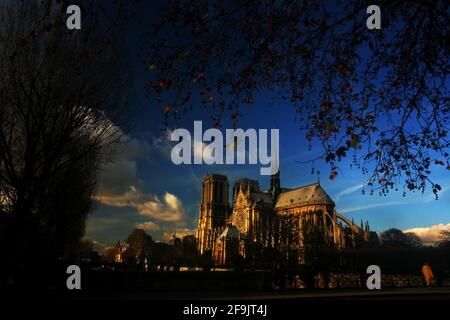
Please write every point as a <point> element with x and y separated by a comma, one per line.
<point>430,234</point>
<point>169,209</point>
<point>148,226</point>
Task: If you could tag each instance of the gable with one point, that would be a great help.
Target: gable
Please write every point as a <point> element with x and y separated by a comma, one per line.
<point>241,200</point>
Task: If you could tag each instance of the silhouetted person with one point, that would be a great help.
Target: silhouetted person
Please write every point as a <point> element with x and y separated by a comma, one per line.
<point>427,274</point>
<point>278,277</point>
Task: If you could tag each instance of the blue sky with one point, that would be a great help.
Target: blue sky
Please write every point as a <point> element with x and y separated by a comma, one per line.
<point>142,187</point>
<point>157,175</point>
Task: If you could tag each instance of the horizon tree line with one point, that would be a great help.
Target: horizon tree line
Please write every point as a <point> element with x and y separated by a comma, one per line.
<point>140,248</point>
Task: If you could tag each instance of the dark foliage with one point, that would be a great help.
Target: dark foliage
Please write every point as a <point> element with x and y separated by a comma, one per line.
<point>379,96</point>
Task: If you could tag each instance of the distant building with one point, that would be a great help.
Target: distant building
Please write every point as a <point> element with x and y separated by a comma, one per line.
<point>277,217</point>
<point>120,249</point>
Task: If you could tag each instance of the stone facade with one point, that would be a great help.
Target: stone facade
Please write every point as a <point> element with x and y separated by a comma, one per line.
<point>279,218</point>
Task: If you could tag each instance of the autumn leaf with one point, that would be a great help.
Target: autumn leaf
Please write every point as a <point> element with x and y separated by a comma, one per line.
<point>354,142</point>
<point>341,152</point>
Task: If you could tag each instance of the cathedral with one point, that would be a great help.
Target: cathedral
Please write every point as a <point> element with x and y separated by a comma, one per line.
<point>280,218</point>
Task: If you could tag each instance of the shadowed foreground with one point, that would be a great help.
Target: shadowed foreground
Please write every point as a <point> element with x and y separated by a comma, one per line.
<point>346,294</point>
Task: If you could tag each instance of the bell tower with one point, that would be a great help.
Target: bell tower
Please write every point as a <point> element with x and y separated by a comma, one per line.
<point>213,210</point>
<point>275,185</point>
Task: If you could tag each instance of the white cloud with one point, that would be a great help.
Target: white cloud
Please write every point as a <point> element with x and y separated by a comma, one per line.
<point>432,197</point>
<point>120,173</point>
<point>370,206</point>
<point>347,191</point>
<point>127,199</point>
<point>418,199</point>
<point>148,226</point>
<point>120,186</point>
<point>424,198</point>
<point>170,209</point>
<point>430,234</point>
<point>164,145</point>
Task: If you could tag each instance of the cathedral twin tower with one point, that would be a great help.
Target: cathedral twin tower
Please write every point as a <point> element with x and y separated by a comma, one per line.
<point>214,208</point>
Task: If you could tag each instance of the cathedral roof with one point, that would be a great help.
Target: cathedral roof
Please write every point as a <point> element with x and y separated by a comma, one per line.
<point>307,195</point>
<point>270,191</point>
<point>230,232</point>
<point>265,197</point>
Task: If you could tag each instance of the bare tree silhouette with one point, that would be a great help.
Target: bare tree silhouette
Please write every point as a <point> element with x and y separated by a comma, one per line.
<point>380,96</point>
<point>61,105</point>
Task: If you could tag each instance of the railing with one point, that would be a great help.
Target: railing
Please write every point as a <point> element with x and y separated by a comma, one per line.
<point>351,280</point>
